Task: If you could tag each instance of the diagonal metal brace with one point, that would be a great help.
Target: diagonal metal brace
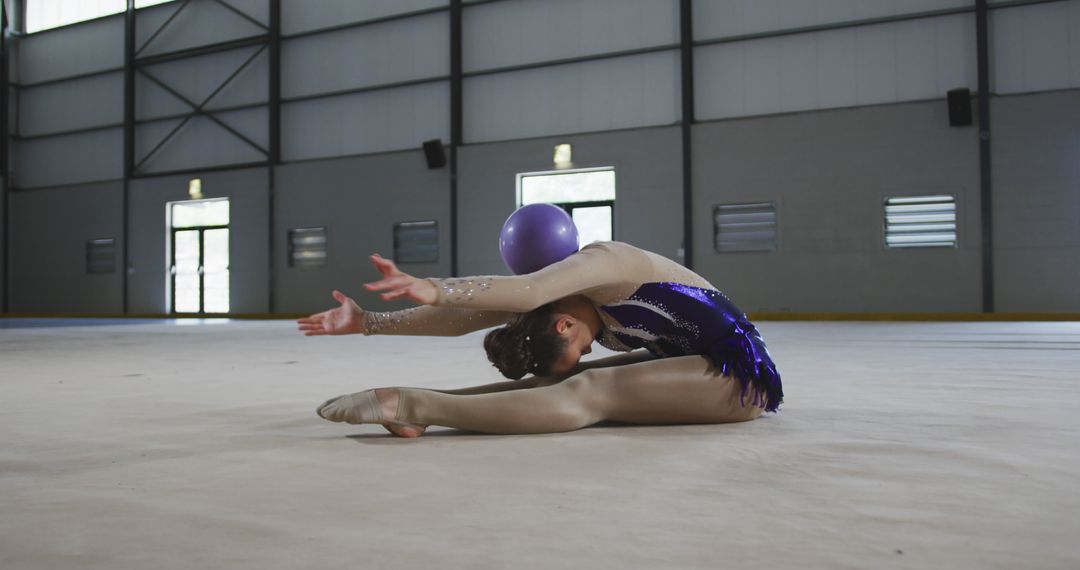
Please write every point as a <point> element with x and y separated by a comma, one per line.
<point>162,27</point>
<point>198,109</point>
<point>242,14</point>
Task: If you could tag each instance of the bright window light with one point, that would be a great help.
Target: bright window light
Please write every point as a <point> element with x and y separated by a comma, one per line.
<point>593,223</point>
<point>564,157</point>
<point>587,194</point>
<point>197,213</point>
<point>195,189</point>
<point>565,187</point>
<point>47,14</point>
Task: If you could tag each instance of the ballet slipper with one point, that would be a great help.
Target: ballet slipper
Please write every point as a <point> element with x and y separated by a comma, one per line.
<point>363,408</point>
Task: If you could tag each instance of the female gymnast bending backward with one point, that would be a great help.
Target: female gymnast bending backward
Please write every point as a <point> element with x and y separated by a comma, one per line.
<point>703,362</point>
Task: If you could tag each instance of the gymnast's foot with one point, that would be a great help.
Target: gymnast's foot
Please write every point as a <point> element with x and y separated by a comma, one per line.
<point>370,407</point>
<point>388,405</point>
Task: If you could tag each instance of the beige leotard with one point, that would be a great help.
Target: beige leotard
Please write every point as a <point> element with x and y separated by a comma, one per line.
<point>603,272</point>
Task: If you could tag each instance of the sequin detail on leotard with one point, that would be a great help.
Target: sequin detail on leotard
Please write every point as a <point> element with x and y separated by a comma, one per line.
<point>458,289</point>
<point>672,319</point>
<point>428,320</point>
<point>375,322</point>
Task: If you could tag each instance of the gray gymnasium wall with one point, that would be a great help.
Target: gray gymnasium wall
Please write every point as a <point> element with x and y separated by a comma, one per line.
<point>53,98</point>
<point>249,252</point>
<point>4,242</point>
<point>231,83</point>
<point>50,229</point>
<point>357,101</point>
<point>358,201</point>
<point>648,196</point>
<point>1037,202</point>
<point>829,173</point>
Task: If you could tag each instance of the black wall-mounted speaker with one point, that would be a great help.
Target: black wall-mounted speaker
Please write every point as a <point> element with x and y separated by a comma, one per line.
<point>959,107</point>
<point>434,154</point>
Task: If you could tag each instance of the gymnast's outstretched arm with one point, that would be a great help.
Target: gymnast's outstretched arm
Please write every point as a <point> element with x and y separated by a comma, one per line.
<point>349,318</point>
<point>459,305</point>
<point>599,271</point>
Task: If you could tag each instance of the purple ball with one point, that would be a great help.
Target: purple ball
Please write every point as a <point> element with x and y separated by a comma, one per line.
<point>536,236</point>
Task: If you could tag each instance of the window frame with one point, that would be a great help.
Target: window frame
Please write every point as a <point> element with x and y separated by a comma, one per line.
<point>569,207</point>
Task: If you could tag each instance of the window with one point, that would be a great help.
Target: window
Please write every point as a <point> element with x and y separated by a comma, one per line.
<point>101,256</point>
<point>307,247</point>
<point>46,14</point>
<point>199,213</point>
<point>744,227</point>
<point>920,221</point>
<point>416,242</point>
<point>588,195</point>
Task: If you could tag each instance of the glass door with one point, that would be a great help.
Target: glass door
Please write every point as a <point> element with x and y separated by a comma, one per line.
<point>187,271</point>
<point>200,270</point>
<point>215,285</point>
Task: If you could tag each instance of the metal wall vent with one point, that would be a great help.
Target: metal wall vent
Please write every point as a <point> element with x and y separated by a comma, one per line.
<point>307,247</point>
<point>744,227</point>
<point>920,221</point>
<point>101,256</point>
<point>416,242</point>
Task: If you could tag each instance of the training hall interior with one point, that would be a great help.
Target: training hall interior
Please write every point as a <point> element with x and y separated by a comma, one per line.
<point>890,190</point>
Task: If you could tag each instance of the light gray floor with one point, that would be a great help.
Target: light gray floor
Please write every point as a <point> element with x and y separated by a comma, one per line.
<point>900,446</point>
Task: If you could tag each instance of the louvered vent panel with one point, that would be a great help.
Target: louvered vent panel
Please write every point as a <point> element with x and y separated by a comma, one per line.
<point>920,221</point>
<point>416,242</point>
<point>307,247</point>
<point>745,227</point>
<point>101,256</point>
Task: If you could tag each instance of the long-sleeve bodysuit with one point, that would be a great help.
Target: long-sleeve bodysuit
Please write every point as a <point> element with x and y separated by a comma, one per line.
<point>644,301</point>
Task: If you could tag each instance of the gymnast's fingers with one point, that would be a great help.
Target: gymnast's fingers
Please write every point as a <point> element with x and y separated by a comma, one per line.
<point>419,291</point>
<point>384,266</point>
<point>396,282</point>
<point>395,294</point>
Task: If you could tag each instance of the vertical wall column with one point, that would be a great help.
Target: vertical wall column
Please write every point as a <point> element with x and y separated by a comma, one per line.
<point>982,35</point>
<point>455,126</point>
<point>5,178</point>
<point>129,145</point>
<point>274,117</point>
<point>686,53</point>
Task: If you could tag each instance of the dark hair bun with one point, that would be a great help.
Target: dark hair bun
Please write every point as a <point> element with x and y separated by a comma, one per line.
<point>528,343</point>
<point>509,352</point>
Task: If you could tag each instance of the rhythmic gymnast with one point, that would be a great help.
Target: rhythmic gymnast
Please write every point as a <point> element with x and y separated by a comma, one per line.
<point>703,362</point>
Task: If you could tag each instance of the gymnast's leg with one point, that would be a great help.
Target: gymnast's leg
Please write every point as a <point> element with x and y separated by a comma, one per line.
<point>530,382</point>
<point>538,381</point>
<point>672,390</point>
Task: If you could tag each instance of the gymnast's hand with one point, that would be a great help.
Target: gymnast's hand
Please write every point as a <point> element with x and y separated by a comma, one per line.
<point>396,284</point>
<point>346,319</point>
